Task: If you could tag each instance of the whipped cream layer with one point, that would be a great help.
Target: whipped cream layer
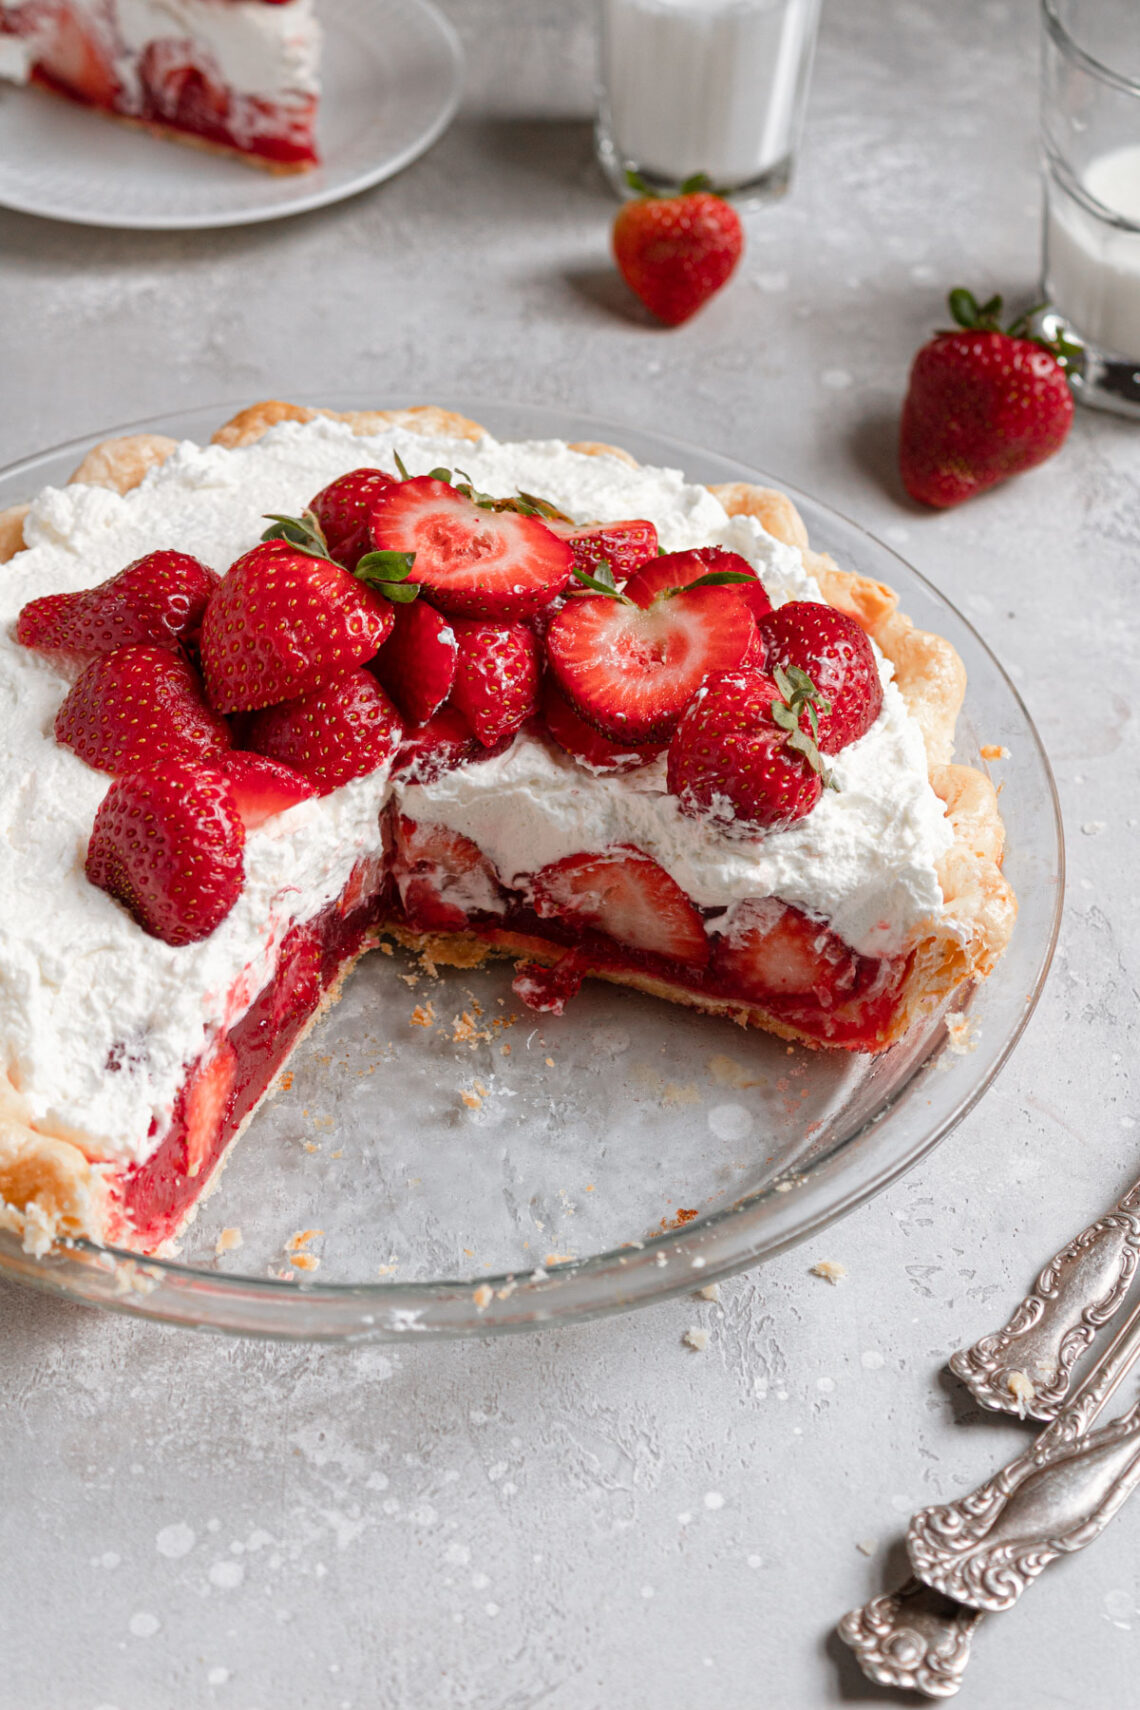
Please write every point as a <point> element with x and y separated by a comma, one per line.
<point>268,51</point>
<point>82,986</point>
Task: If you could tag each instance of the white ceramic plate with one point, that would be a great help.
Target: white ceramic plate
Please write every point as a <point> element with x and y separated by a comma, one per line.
<point>392,75</point>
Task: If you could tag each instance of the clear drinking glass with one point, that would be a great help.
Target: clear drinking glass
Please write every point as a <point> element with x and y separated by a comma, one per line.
<point>1090,128</point>
<point>712,86</point>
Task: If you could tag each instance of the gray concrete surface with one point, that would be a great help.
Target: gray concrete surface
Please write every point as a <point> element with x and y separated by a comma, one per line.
<point>601,1518</point>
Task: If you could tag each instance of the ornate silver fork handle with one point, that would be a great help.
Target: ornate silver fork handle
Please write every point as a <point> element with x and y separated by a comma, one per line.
<point>1025,1368</point>
<point>980,1554</point>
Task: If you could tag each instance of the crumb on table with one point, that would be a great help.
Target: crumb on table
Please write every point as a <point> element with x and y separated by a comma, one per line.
<point>228,1241</point>
<point>830,1270</point>
<point>697,1340</point>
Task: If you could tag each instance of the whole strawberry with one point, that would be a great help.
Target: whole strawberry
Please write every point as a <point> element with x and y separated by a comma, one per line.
<point>981,405</point>
<point>136,706</point>
<point>738,756</point>
<point>159,599</point>
<point>675,252</point>
<point>838,657</point>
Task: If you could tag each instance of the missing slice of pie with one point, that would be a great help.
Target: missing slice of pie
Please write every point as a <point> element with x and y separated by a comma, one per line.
<point>525,700</point>
<point>240,77</point>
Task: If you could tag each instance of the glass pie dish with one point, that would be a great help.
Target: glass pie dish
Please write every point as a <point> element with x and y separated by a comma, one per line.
<point>438,1163</point>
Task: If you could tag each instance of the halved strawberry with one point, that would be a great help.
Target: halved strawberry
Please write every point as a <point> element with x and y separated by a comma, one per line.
<point>297,983</point>
<point>417,663</point>
<point>282,621</point>
<point>470,560</point>
<point>631,662</point>
<point>262,788</point>
<point>167,843</point>
<point>73,55</point>
<point>496,677</point>
<point>775,950</point>
<point>624,893</point>
<point>752,592</point>
<point>344,505</point>
<point>206,1102</point>
<point>136,706</point>
<point>443,743</point>
<point>838,657</point>
<point>442,877</point>
<point>621,545</point>
<point>160,599</point>
<point>734,762</point>
<point>343,729</point>
<point>587,745</point>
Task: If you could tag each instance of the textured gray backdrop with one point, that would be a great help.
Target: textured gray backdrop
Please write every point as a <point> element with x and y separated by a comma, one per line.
<point>602,1518</point>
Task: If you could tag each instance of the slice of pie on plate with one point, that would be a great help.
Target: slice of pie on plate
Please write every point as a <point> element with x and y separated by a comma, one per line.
<point>241,77</point>
<point>530,700</point>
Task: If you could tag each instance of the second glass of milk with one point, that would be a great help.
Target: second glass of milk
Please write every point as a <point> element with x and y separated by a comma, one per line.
<point>712,86</point>
<point>1091,139</point>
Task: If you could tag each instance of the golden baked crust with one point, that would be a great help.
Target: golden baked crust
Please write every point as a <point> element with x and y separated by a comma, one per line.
<point>48,1187</point>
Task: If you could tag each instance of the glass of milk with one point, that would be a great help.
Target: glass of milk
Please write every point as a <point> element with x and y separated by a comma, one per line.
<point>1090,124</point>
<point>712,86</point>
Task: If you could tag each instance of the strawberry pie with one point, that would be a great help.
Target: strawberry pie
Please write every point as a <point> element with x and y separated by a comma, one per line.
<point>335,678</point>
<point>237,76</point>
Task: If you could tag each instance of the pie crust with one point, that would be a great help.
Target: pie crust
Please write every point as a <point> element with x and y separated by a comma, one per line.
<point>48,1188</point>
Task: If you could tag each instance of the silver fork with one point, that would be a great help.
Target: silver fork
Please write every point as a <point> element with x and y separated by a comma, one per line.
<point>979,1554</point>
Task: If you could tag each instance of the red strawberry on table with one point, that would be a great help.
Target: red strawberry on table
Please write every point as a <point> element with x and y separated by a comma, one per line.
<point>838,657</point>
<point>471,560</point>
<point>981,405</point>
<point>738,757</point>
<point>136,706</point>
<point>167,843</point>
<point>160,599</point>
<point>262,788</point>
<point>630,662</point>
<point>496,677</point>
<point>587,745</point>
<point>282,620</point>
<point>675,252</point>
<point>343,729</point>
<point>624,893</point>
<point>417,663</point>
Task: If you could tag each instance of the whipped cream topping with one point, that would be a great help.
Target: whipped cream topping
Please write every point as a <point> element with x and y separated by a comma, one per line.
<point>270,51</point>
<point>82,987</point>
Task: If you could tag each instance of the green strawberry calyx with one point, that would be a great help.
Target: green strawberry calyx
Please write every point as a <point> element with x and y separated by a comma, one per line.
<point>800,695</point>
<point>985,317</point>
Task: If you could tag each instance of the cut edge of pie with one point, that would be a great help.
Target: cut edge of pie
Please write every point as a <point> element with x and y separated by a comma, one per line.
<point>50,1191</point>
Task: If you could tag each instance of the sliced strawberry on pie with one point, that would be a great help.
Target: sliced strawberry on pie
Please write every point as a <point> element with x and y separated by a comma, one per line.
<point>168,844</point>
<point>442,877</point>
<point>774,950</point>
<point>625,894</point>
<point>587,745</point>
<point>282,620</point>
<point>496,677</point>
<point>631,662</point>
<point>263,788</point>
<point>136,706</point>
<point>471,561</point>
<point>344,729</point>
<point>417,663</point>
<point>837,655</point>
<point>160,599</point>
<point>752,591</point>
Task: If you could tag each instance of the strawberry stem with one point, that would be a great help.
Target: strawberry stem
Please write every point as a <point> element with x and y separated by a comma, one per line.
<point>303,532</point>
<point>689,187</point>
<point>388,573</point>
<point>800,695</point>
<point>985,317</point>
<point>603,582</point>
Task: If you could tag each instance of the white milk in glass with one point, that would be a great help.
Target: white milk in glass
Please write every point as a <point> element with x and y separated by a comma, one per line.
<point>1092,264</point>
<point>712,86</point>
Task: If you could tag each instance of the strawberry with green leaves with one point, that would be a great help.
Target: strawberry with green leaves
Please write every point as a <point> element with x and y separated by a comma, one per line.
<point>739,757</point>
<point>981,405</point>
<point>675,252</point>
<point>629,662</point>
